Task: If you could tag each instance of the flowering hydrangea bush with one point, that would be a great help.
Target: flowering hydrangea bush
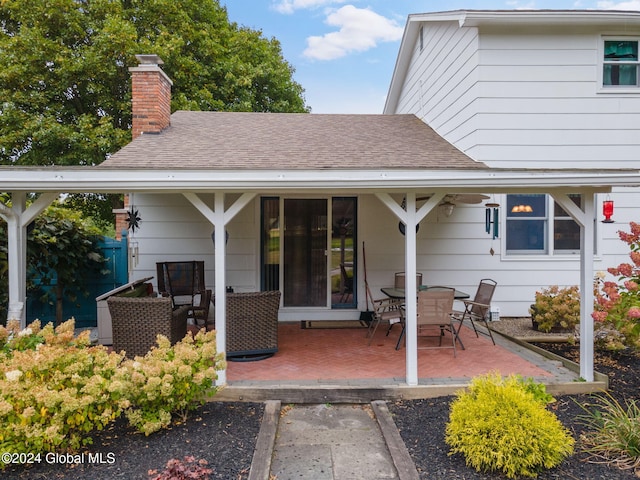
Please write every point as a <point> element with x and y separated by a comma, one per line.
<point>556,308</point>
<point>170,379</point>
<point>617,306</point>
<point>55,388</point>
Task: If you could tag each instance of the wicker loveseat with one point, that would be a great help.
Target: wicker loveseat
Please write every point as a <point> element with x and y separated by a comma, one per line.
<point>252,325</point>
<point>137,321</point>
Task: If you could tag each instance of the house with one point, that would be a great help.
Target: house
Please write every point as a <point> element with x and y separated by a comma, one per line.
<point>530,89</point>
<point>281,201</point>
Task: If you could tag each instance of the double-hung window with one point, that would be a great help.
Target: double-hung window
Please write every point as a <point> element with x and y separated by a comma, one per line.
<point>536,225</point>
<point>620,63</point>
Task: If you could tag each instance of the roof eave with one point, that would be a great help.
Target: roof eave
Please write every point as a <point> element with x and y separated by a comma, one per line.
<point>177,181</point>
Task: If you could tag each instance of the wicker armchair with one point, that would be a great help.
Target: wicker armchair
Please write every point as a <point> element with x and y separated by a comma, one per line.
<point>137,322</point>
<point>252,325</point>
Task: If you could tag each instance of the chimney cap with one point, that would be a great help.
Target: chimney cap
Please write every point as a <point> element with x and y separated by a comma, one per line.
<point>149,60</point>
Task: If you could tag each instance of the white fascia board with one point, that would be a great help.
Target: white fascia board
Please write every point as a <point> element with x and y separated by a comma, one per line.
<point>485,180</point>
<point>474,18</point>
<point>403,60</point>
<point>551,17</point>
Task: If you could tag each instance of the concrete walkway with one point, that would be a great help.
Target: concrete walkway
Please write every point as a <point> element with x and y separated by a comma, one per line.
<point>330,442</point>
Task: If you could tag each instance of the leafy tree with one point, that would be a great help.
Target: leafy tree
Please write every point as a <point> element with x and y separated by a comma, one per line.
<point>65,86</point>
<point>61,251</point>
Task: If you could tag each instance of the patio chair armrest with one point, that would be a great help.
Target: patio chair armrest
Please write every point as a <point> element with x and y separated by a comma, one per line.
<point>471,303</point>
<point>389,302</point>
<point>181,312</point>
<point>179,323</point>
<point>205,298</point>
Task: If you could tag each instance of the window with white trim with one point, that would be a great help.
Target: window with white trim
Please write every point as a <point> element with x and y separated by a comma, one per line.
<point>620,64</point>
<point>536,225</point>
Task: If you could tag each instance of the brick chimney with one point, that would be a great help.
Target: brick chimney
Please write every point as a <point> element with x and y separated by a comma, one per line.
<point>150,96</point>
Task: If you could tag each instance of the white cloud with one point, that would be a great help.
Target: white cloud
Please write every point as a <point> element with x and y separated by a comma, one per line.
<point>289,6</point>
<point>359,29</point>
<point>630,5</point>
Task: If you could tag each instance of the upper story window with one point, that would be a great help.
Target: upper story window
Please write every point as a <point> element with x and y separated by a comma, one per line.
<point>620,63</point>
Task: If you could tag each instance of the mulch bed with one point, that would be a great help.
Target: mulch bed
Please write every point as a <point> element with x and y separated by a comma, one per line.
<point>224,434</point>
<point>422,425</point>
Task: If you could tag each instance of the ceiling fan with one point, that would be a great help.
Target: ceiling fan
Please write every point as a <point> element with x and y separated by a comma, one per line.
<point>455,198</point>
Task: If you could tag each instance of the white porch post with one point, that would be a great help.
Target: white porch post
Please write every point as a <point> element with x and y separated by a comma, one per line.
<point>586,288</point>
<point>411,218</point>
<point>17,258</point>
<point>411,308</point>
<point>18,217</point>
<point>219,219</point>
<point>586,219</point>
<point>220,280</point>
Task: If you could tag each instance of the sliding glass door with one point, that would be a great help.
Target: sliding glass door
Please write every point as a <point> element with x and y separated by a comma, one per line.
<point>305,253</point>
<point>297,257</point>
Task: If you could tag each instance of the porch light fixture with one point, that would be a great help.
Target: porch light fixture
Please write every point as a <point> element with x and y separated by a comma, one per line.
<point>446,208</point>
<point>521,209</point>
<point>607,211</point>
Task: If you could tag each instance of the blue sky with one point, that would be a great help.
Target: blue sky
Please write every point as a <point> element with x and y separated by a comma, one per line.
<point>344,51</point>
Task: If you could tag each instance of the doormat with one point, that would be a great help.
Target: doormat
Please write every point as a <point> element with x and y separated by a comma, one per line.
<point>327,324</point>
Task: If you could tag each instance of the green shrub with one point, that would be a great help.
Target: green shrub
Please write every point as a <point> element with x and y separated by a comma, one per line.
<point>536,389</point>
<point>614,432</point>
<point>499,425</point>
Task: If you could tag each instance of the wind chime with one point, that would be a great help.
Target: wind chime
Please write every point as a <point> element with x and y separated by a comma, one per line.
<point>491,222</point>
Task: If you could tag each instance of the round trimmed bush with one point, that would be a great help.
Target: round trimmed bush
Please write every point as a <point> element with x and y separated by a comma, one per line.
<point>500,425</point>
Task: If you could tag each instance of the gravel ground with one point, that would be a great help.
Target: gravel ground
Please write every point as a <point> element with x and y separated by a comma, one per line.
<point>224,434</point>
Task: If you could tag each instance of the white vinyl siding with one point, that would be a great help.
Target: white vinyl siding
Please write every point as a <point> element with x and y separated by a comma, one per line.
<point>528,99</point>
<point>173,230</point>
<point>440,77</point>
<point>524,98</point>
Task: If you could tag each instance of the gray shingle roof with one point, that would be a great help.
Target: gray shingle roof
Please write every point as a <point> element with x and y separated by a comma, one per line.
<point>233,140</point>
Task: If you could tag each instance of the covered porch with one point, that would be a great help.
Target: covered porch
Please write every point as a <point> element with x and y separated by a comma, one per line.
<point>207,195</point>
<point>338,365</point>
